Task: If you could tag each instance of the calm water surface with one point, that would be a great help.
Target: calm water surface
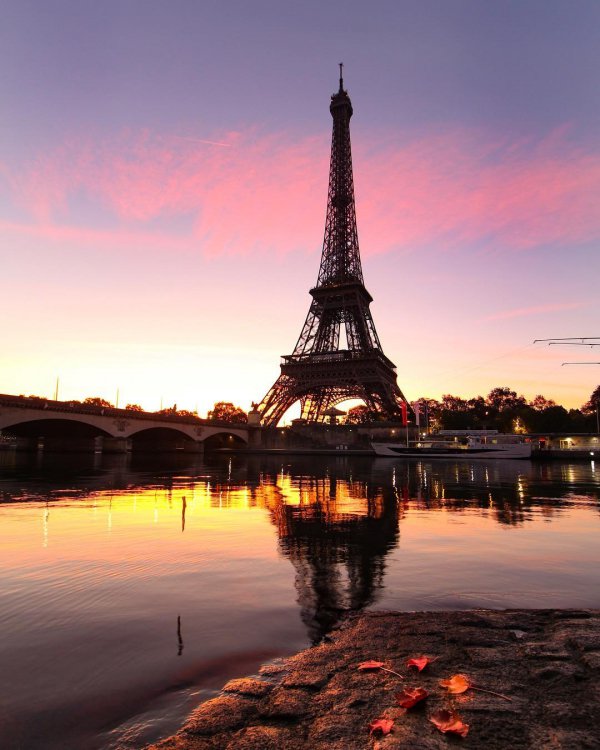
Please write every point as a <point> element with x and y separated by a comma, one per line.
<point>130,591</point>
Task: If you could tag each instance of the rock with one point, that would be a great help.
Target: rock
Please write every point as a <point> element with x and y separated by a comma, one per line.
<point>585,642</point>
<point>558,671</point>
<point>318,700</point>
<point>592,660</point>
<point>218,714</point>
<point>272,669</point>
<point>546,650</point>
<point>285,703</point>
<point>248,686</point>
<point>265,738</point>
<point>307,679</point>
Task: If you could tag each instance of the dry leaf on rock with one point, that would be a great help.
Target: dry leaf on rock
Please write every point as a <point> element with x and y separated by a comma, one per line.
<point>409,698</point>
<point>367,665</point>
<point>456,684</point>
<point>420,662</point>
<point>381,726</point>
<point>449,722</point>
<point>459,683</point>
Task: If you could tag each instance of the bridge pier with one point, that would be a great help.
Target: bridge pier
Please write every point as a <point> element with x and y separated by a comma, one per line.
<point>115,445</point>
<point>255,437</point>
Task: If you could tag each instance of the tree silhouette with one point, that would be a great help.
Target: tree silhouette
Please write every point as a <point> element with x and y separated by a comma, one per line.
<point>594,402</point>
<point>540,403</point>
<point>225,411</point>
<point>504,399</point>
<point>358,415</point>
<point>97,401</point>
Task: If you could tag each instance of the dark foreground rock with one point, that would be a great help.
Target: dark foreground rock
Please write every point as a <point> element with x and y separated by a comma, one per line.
<point>546,661</point>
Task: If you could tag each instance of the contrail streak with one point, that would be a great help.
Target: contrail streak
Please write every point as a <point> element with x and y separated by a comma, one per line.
<point>202,140</point>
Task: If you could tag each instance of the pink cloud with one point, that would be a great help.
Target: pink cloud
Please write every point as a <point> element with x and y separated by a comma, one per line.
<point>536,310</point>
<point>251,192</point>
<point>120,238</point>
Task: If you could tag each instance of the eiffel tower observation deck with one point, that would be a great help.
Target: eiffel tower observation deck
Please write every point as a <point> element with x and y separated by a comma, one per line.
<point>338,355</point>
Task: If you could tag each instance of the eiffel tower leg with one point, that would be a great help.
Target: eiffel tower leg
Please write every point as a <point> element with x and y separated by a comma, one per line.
<point>316,404</point>
<point>277,401</point>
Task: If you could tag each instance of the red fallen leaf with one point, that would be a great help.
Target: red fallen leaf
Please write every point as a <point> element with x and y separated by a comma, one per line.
<point>420,662</point>
<point>366,665</point>
<point>456,684</point>
<point>381,726</point>
<point>410,698</point>
<point>449,721</point>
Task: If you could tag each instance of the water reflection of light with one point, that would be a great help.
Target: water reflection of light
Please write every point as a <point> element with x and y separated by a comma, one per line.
<point>45,518</point>
<point>568,473</point>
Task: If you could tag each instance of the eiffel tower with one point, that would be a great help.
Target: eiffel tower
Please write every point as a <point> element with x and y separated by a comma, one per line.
<point>331,363</point>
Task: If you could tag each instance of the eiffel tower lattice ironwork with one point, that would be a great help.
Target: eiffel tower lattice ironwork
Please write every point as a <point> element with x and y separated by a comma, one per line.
<point>324,369</point>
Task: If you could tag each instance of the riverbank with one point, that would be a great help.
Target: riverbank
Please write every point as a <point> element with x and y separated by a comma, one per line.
<point>546,664</point>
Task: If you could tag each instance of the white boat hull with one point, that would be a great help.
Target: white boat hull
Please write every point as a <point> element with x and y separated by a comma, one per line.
<point>487,452</point>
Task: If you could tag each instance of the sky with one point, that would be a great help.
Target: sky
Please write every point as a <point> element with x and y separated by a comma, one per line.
<point>163,186</point>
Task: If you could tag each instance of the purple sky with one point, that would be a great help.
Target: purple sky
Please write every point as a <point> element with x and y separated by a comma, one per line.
<point>163,179</point>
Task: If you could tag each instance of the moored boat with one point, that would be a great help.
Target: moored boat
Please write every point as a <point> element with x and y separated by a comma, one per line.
<point>487,444</point>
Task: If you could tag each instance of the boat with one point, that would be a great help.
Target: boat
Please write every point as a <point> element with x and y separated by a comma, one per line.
<point>488,444</point>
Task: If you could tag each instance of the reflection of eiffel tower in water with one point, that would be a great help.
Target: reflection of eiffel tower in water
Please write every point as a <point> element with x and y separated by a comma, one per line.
<point>339,554</point>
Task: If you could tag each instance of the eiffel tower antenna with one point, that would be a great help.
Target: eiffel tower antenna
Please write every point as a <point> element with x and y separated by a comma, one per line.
<point>338,355</point>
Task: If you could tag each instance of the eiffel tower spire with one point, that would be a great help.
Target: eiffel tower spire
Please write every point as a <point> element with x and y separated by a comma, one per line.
<point>338,355</point>
<point>340,260</point>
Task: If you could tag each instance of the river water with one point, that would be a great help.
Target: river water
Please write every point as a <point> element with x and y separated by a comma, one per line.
<point>131,590</point>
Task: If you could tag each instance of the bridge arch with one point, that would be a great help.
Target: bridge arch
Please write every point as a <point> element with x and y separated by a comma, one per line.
<point>54,426</point>
<point>224,438</point>
<point>163,438</point>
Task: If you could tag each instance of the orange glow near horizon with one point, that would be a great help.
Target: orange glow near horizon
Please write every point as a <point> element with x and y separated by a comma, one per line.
<point>184,513</point>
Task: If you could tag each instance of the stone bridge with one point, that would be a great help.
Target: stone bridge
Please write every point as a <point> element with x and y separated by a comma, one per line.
<point>32,423</point>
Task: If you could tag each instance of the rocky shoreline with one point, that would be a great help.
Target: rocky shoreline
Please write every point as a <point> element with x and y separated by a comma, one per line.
<point>545,662</point>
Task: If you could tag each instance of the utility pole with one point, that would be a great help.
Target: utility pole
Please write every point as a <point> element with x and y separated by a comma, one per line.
<point>590,341</point>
